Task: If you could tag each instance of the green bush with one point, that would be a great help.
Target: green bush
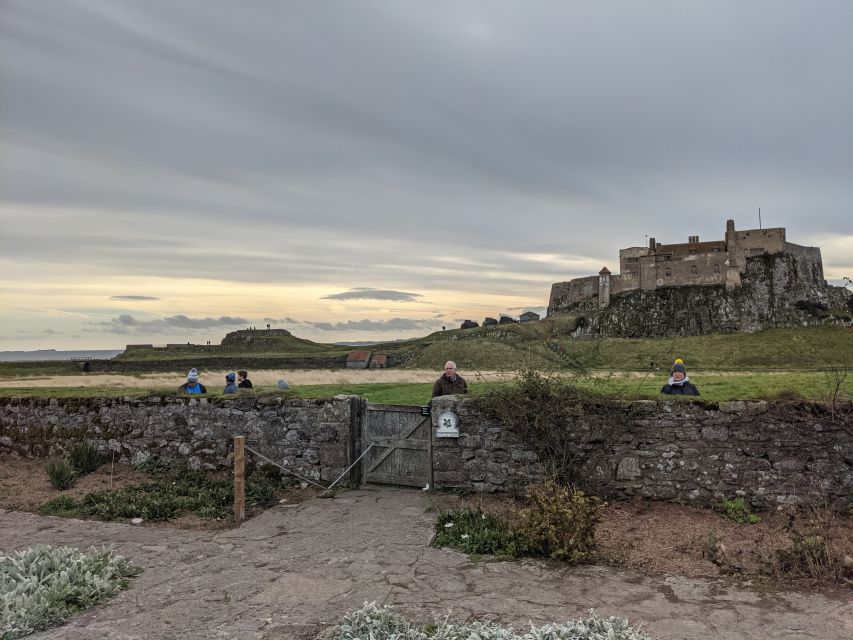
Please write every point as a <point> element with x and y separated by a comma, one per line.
<point>559,522</point>
<point>737,511</point>
<point>85,457</point>
<point>60,472</point>
<point>372,622</point>
<point>42,586</point>
<point>166,497</point>
<point>62,505</point>
<point>472,531</point>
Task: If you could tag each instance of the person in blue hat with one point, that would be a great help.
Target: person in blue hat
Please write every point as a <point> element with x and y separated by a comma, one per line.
<point>192,386</point>
<point>679,384</point>
<point>231,383</point>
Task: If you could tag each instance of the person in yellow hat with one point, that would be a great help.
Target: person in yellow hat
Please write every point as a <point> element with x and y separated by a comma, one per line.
<point>679,384</point>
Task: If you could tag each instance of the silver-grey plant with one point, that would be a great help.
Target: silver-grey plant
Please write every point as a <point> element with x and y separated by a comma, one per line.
<point>42,586</point>
<point>372,622</point>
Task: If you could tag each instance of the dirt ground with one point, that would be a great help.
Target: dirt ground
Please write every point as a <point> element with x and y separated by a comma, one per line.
<point>653,537</point>
<point>290,573</point>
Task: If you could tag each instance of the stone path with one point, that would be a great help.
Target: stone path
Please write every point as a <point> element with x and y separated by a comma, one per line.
<point>291,572</point>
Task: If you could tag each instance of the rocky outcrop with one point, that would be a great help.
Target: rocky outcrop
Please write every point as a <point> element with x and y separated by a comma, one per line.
<point>779,290</point>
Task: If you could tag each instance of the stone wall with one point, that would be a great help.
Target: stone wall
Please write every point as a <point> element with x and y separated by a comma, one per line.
<point>689,451</point>
<point>694,452</point>
<point>311,437</point>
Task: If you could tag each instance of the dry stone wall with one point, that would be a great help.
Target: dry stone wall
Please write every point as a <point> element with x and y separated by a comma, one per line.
<point>311,437</point>
<point>694,452</point>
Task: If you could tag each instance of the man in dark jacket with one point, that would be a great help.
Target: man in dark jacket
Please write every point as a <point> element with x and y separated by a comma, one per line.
<point>192,385</point>
<point>679,384</point>
<point>450,383</point>
<point>243,380</point>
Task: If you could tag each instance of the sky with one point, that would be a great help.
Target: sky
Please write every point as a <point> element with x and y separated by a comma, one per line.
<point>171,171</point>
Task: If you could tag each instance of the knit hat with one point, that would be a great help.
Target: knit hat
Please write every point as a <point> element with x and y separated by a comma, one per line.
<point>230,377</point>
<point>679,366</point>
<point>192,376</point>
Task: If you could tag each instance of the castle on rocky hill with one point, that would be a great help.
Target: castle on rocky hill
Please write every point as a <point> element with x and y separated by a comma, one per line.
<point>751,279</point>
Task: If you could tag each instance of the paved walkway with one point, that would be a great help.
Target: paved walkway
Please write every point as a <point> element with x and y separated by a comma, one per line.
<point>290,572</point>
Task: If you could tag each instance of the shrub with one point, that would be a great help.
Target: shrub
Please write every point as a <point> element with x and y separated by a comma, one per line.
<point>42,586</point>
<point>559,522</point>
<point>85,457</point>
<point>62,505</point>
<point>372,622</point>
<point>815,554</point>
<point>60,472</point>
<point>472,531</point>
<point>737,511</point>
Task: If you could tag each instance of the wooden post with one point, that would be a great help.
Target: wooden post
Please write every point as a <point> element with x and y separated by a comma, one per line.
<point>239,479</point>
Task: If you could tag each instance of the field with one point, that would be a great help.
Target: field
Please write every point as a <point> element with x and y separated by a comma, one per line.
<point>793,362</point>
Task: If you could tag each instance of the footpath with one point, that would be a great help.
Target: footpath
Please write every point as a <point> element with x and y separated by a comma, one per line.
<point>292,572</point>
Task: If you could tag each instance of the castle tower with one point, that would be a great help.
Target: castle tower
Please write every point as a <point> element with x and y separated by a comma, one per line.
<point>604,287</point>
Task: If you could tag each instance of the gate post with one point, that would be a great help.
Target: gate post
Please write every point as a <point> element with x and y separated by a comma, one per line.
<point>239,479</point>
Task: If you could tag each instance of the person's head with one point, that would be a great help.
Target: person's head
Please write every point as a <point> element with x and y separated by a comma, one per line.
<point>192,376</point>
<point>242,375</point>
<point>230,377</point>
<point>450,369</point>
<point>679,371</point>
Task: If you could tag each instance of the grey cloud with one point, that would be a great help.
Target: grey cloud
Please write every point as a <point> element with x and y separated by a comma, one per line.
<point>133,298</point>
<point>394,324</point>
<point>43,332</point>
<point>127,324</point>
<point>287,320</point>
<point>367,293</point>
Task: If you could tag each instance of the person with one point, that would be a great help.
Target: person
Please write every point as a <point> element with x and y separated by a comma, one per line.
<point>679,384</point>
<point>450,382</point>
<point>192,386</point>
<point>243,380</point>
<point>282,385</point>
<point>230,383</point>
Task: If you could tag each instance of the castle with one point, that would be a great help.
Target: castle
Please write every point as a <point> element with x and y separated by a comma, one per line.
<point>694,263</point>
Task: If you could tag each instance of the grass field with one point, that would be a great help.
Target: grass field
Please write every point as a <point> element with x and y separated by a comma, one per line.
<point>714,386</point>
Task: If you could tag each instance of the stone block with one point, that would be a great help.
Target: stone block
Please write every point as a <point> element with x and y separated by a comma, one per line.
<point>715,433</point>
<point>628,469</point>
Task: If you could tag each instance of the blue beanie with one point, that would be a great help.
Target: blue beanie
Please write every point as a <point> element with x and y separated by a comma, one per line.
<point>230,377</point>
<point>192,376</point>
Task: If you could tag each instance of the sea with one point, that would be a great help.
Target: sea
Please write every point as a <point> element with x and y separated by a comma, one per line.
<point>53,354</point>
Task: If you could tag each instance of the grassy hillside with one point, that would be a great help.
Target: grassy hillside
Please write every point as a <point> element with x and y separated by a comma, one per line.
<point>516,346</point>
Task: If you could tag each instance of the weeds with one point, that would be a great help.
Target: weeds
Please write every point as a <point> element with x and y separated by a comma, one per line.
<point>555,522</point>
<point>737,511</point>
<point>60,472</point>
<point>85,458</point>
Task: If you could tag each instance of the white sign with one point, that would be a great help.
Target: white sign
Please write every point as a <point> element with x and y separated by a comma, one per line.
<point>448,425</point>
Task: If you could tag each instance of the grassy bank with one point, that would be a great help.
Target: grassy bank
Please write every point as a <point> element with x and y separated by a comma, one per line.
<point>714,386</point>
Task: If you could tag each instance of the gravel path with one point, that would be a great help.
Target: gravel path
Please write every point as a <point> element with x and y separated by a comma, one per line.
<point>291,572</point>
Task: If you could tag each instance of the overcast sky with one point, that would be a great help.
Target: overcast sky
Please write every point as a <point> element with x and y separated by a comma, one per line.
<point>170,171</point>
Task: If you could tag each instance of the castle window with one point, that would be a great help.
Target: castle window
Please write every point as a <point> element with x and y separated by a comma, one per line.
<point>668,273</point>
<point>694,270</point>
<point>693,252</point>
<point>716,249</point>
<point>716,268</point>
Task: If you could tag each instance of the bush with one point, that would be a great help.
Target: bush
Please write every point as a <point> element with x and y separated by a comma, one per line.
<point>559,521</point>
<point>472,531</point>
<point>85,457</point>
<point>60,472</point>
<point>42,586</point>
<point>62,505</point>
<point>737,511</point>
<point>815,554</point>
<point>373,622</point>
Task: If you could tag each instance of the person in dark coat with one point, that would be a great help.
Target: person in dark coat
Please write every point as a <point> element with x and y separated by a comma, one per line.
<point>243,380</point>
<point>192,386</point>
<point>450,382</point>
<point>679,384</point>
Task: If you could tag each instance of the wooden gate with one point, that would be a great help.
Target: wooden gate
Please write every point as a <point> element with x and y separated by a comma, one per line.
<point>402,445</point>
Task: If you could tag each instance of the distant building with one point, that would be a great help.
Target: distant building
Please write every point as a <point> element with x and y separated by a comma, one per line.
<point>378,361</point>
<point>469,324</point>
<point>507,320</point>
<point>358,359</point>
<point>718,262</point>
<point>528,316</point>
<point>488,322</point>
